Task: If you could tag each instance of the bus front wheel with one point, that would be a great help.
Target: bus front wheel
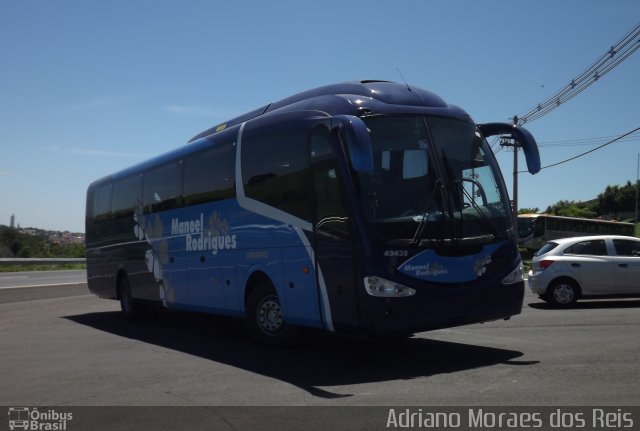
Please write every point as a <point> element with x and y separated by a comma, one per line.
<point>265,319</point>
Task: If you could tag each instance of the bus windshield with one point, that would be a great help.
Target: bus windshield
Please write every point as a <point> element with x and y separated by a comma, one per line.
<point>434,180</point>
<point>525,227</point>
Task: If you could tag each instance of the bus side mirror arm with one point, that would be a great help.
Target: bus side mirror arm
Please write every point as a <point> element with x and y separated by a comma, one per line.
<point>520,134</point>
<point>356,136</point>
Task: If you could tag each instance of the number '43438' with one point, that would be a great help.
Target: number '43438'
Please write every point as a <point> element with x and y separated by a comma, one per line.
<point>396,253</point>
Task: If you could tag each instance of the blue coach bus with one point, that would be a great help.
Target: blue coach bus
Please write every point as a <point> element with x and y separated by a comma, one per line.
<point>369,208</point>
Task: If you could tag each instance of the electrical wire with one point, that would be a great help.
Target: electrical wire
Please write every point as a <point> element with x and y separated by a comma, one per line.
<point>622,50</point>
<point>590,151</point>
<point>583,142</point>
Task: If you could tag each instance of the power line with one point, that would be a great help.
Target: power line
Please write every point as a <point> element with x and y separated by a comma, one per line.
<point>583,142</point>
<point>603,65</point>
<point>590,151</point>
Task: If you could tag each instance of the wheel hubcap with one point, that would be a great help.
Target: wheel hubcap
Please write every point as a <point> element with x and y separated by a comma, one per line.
<point>269,315</point>
<point>563,294</point>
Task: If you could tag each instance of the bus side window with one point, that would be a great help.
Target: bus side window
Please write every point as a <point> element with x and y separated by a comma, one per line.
<point>209,174</point>
<point>275,170</point>
<point>99,211</point>
<point>538,227</point>
<point>102,203</point>
<point>162,188</point>
<point>126,195</point>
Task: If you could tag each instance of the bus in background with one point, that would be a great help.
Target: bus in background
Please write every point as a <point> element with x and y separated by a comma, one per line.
<point>534,230</point>
<point>369,208</point>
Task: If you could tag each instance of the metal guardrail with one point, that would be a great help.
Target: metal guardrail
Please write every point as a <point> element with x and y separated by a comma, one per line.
<point>41,261</point>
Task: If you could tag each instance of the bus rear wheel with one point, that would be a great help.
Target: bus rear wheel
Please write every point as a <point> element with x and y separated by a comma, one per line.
<point>265,319</point>
<point>131,309</point>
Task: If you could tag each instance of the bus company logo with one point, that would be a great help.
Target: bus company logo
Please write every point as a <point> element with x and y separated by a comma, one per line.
<point>25,418</point>
<point>214,236</point>
<point>426,270</point>
<point>480,265</point>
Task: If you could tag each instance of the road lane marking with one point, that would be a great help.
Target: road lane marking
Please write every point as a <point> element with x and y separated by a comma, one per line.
<point>42,285</point>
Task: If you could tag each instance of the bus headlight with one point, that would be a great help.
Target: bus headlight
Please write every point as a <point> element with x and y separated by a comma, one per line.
<point>377,286</point>
<point>515,276</point>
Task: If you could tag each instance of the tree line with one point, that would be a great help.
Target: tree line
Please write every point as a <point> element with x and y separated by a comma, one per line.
<point>614,202</point>
<point>16,244</point>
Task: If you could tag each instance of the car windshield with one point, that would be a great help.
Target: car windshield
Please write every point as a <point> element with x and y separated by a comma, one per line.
<point>434,179</point>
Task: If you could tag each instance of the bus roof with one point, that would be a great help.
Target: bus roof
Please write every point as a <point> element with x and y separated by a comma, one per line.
<point>358,97</point>
<point>350,98</point>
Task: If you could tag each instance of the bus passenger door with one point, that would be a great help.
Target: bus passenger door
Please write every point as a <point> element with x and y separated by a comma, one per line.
<point>333,249</point>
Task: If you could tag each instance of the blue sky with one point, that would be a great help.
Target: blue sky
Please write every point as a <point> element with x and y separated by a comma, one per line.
<point>88,88</point>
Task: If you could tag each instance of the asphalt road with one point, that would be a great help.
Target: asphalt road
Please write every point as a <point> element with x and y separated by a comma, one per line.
<point>62,346</point>
<point>37,285</point>
<point>41,278</point>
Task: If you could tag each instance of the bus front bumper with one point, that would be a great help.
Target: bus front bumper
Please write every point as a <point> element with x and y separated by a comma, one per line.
<point>442,309</point>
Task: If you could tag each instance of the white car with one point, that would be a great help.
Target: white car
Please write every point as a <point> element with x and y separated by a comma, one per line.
<point>564,270</point>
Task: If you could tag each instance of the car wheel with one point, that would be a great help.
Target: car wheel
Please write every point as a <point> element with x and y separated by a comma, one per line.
<point>265,319</point>
<point>563,293</point>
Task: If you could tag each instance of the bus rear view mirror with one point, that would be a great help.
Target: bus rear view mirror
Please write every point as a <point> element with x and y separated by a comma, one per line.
<point>356,136</point>
<point>520,134</point>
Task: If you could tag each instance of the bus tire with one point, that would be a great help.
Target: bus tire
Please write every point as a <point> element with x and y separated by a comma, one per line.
<point>131,309</point>
<point>264,317</point>
<point>563,293</point>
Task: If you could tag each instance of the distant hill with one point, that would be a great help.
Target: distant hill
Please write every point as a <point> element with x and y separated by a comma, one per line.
<point>32,242</point>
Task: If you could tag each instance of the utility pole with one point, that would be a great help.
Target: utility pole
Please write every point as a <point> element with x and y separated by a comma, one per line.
<point>515,177</point>
<point>506,141</point>
<point>635,224</point>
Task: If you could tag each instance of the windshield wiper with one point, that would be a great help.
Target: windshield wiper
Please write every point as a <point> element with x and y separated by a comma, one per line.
<point>487,222</point>
<point>417,236</point>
